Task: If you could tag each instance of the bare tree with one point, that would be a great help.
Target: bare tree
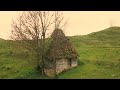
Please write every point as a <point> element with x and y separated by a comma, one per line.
<point>60,23</point>
<point>30,30</point>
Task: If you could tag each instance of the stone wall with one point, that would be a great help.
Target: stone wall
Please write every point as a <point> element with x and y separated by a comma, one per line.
<point>49,72</point>
<point>61,65</point>
<point>74,63</point>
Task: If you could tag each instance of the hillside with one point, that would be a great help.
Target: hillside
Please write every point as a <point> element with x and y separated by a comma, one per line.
<point>111,34</point>
<point>99,57</point>
<point>1,39</point>
<point>110,37</point>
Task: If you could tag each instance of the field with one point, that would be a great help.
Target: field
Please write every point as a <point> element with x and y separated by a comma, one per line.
<point>99,58</point>
<point>96,63</point>
<point>16,62</point>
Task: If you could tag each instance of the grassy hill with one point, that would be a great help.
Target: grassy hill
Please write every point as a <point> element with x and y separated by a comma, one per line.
<point>100,53</point>
<point>110,37</point>
<point>15,62</point>
<point>99,57</point>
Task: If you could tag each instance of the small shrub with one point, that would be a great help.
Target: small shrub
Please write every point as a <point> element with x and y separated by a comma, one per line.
<point>87,61</point>
<point>7,67</point>
<point>80,62</point>
<point>118,61</point>
<point>10,53</point>
<point>1,53</point>
<point>99,62</point>
<point>111,64</point>
<point>107,64</point>
<point>118,64</point>
<point>19,54</point>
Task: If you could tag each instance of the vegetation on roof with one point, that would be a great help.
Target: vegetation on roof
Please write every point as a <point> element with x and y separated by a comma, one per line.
<point>60,46</point>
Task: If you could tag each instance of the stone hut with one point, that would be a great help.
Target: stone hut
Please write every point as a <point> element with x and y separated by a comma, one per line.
<point>61,55</point>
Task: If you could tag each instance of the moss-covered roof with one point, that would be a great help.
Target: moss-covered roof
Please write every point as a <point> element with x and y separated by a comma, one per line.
<point>60,46</point>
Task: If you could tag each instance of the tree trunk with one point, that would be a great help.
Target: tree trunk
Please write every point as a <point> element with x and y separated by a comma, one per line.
<point>43,55</point>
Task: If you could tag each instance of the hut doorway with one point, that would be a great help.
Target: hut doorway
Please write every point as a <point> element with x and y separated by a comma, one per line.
<point>69,62</point>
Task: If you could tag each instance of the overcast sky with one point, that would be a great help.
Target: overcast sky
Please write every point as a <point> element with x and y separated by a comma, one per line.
<point>80,22</point>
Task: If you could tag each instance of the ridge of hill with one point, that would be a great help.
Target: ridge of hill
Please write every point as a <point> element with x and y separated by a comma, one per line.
<point>107,37</point>
<point>1,39</point>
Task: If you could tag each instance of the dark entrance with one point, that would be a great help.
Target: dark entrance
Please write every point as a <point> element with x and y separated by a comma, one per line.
<point>69,62</point>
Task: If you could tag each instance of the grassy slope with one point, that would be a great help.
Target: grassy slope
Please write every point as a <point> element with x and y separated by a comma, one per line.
<point>14,62</point>
<point>99,55</point>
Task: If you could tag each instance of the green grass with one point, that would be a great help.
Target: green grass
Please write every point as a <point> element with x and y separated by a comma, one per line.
<point>99,63</point>
<point>99,58</point>
<point>100,52</point>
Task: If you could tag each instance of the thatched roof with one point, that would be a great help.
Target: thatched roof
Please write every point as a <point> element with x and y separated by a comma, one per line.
<point>60,46</point>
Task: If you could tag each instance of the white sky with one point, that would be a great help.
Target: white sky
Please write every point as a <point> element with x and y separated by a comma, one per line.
<point>80,22</point>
